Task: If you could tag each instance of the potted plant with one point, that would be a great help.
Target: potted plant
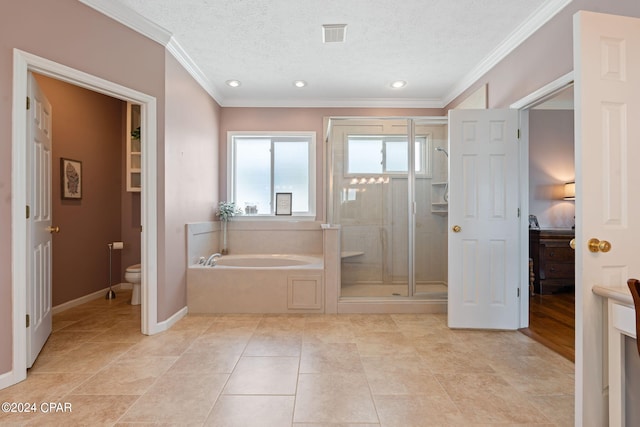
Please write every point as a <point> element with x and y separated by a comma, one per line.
<point>226,211</point>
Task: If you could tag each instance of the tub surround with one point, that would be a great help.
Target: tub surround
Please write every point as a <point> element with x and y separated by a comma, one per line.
<point>259,288</point>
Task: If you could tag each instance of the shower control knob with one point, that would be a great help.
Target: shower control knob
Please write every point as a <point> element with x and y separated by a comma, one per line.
<point>456,228</point>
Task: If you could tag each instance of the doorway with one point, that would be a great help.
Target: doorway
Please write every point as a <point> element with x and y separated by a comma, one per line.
<point>23,63</point>
<point>550,315</point>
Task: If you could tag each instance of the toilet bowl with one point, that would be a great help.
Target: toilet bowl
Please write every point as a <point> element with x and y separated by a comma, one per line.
<point>132,275</point>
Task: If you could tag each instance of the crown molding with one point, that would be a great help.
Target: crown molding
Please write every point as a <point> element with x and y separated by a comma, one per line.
<point>337,103</point>
<point>130,18</point>
<point>133,20</point>
<point>192,68</point>
<point>543,15</point>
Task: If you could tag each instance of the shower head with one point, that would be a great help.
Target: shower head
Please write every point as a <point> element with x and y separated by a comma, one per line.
<point>443,150</point>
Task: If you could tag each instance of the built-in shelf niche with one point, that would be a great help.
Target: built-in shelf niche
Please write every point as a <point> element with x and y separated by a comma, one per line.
<point>134,149</point>
<point>439,204</point>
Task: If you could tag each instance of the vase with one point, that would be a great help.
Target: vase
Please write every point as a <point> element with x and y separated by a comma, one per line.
<point>224,251</point>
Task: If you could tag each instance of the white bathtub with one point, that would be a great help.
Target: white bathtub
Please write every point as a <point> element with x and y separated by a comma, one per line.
<point>286,261</point>
<point>256,283</point>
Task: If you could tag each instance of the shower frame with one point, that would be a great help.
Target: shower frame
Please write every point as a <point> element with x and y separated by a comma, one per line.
<point>411,122</point>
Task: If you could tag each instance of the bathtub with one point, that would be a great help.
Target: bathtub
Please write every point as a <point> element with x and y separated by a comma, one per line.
<point>257,283</point>
<point>284,261</point>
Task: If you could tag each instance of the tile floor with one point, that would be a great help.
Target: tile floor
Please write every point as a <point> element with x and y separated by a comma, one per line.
<point>290,370</point>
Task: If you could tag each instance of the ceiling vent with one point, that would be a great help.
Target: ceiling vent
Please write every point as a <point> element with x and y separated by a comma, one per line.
<point>334,33</point>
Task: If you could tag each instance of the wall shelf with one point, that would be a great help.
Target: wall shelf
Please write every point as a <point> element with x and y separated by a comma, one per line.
<point>438,193</point>
<point>134,150</point>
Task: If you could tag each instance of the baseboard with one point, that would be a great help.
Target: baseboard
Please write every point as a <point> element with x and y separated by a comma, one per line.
<point>8,379</point>
<point>78,301</point>
<point>164,325</point>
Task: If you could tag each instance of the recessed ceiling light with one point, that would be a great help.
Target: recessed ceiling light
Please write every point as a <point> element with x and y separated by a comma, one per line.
<point>233,83</point>
<point>398,84</point>
<point>299,83</point>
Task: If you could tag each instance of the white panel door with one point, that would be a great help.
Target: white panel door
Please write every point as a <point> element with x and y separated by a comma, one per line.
<point>607,91</point>
<point>39,222</point>
<point>483,219</point>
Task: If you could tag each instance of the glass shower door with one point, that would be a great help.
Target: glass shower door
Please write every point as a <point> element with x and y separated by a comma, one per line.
<point>370,202</point>
<point>393,218</point>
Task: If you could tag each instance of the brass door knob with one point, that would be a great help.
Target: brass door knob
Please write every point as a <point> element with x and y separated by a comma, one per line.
<point>52,230</point>
<point>572,244</point>
<point>596,245</point>
<point>456,228</point>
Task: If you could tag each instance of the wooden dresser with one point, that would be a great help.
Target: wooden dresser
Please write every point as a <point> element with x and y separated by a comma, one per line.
<point>553,260</point>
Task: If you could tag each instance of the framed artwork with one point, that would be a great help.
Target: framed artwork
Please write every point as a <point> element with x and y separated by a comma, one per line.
<point>71,178</point>
<point>533,222</point>
<point>283,203</point>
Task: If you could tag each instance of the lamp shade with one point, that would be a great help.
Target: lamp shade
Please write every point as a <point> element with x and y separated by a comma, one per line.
<point>570,191</point>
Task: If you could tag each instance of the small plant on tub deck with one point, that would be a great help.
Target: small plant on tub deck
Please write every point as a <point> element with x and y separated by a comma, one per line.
<point>226,211</point>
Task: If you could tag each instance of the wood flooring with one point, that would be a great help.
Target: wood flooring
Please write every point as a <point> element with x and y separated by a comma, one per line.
<point>552,322</point>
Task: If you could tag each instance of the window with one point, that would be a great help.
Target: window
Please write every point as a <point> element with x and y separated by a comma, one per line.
<point>385,155</point>
<point>262,165</point>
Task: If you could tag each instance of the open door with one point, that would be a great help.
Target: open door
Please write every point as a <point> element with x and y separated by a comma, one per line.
<point>39,228</point>
<point>484,219</point>
<point>607,94</point>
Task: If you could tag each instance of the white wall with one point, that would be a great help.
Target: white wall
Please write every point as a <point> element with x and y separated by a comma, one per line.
<point>551,165</point>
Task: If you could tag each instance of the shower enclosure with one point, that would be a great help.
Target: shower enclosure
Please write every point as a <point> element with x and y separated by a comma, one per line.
<point>393,217</point>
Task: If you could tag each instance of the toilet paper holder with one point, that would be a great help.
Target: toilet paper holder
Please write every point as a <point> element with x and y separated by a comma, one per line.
<point>113,245</point>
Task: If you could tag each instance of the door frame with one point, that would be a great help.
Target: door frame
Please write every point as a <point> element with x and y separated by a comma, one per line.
<point>23,63</point>
<point>523,106</point>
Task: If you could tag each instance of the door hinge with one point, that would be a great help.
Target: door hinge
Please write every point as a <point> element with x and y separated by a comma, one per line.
<point>28,103</point>
<point>518,133</point>
<point>518,292</point>
<point>28,321</point>
<point>518,212</point>
<point>28,211</point>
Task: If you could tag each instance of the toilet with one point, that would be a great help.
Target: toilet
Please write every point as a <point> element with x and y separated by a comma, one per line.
<point>132,275</point>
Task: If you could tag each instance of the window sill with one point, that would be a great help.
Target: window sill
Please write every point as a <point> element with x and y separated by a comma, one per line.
<point>246,218</point>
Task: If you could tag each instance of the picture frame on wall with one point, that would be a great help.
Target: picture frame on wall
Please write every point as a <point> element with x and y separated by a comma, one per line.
<point>71,178</point>
<point>283,203</point>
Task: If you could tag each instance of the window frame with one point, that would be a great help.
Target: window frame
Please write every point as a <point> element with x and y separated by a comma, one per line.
<point>425,155</point>
<point>274,137</point>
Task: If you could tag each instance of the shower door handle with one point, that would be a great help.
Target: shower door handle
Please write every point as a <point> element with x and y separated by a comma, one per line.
<point>456,228</point>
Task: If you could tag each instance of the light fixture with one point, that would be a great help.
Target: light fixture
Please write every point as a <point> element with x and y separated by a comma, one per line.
<point>299,83</point>
<point>570,190</point>
<point>398,84</point>
<point>233,83</point>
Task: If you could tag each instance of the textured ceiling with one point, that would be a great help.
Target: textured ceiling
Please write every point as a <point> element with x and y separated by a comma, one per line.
<point>434,45</point>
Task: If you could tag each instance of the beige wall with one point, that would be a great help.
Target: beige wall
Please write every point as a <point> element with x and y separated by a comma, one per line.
<point>551,164</point>
<point>88,127</point>
<point>543,57</point>
<point>298,119</point>
<point>72,34</point>
<point>190,176</point>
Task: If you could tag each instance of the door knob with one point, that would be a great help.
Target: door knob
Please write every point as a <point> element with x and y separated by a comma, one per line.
<point>456,228</point>
<point>596,245</point>
<point>52,230</point>
<point>572,244</point>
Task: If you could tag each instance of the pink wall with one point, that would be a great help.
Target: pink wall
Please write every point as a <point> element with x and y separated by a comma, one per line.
<point>551,164</point>
<point>75,35</point>
<point>190,176</point>
<point>543,57</point>
<point>87,126</point>
<point>298,119</point>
